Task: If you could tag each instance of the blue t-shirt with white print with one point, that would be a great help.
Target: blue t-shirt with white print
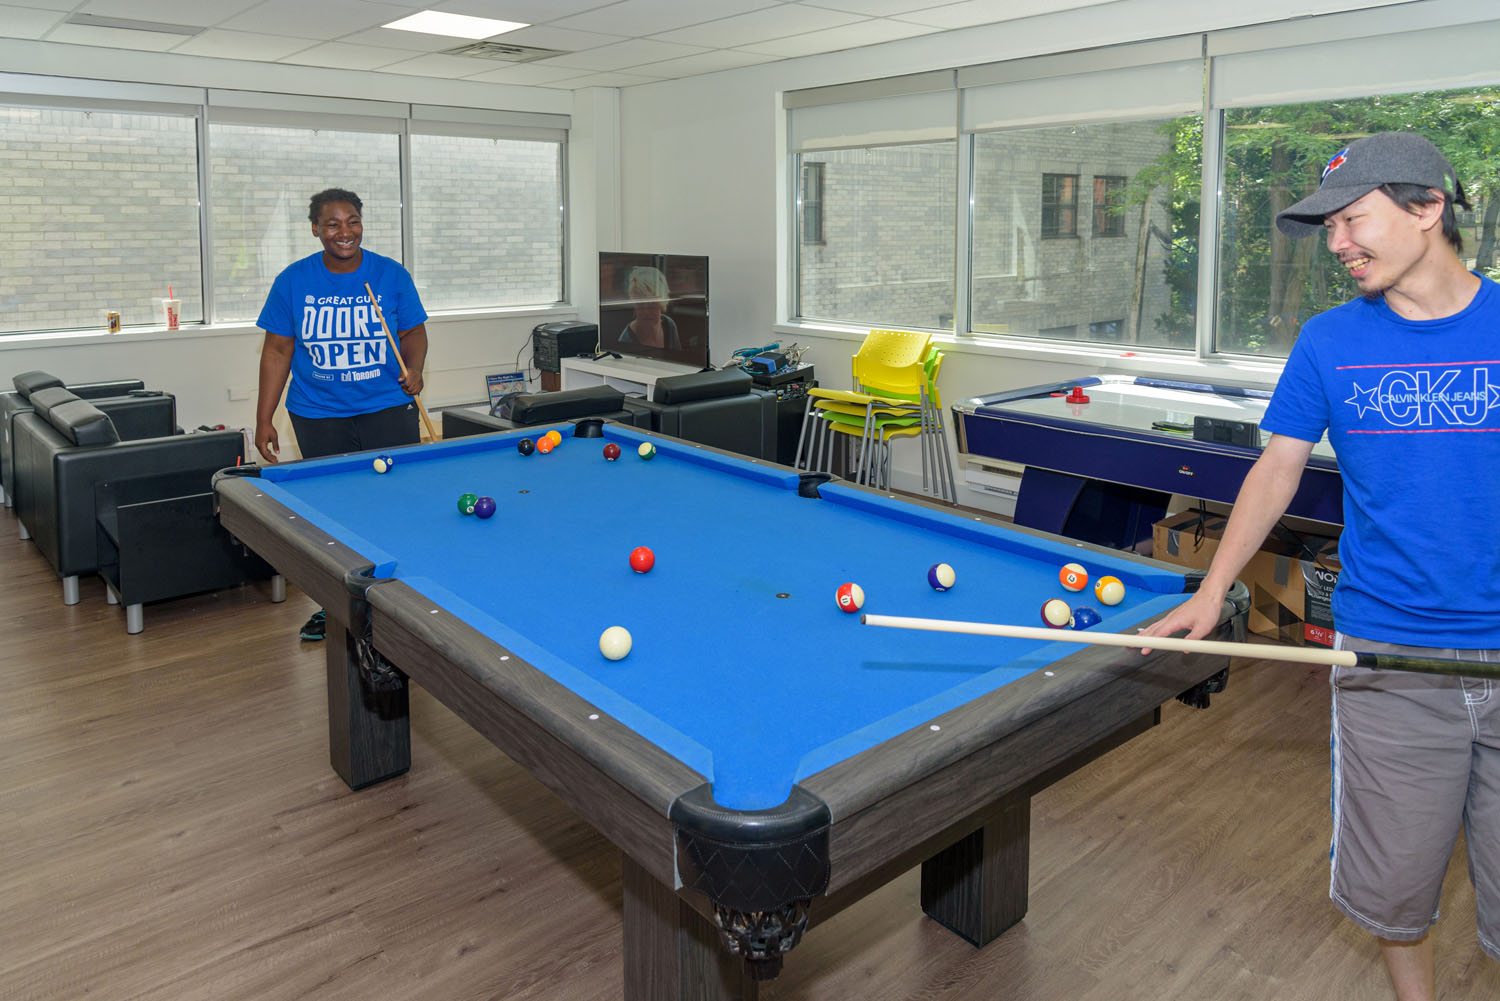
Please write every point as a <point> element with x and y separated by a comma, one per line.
<point>342,363</point>
<point>1412,410</point>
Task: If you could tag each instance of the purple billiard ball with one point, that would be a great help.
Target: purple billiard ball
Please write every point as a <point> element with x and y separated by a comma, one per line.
<point>484,507</point>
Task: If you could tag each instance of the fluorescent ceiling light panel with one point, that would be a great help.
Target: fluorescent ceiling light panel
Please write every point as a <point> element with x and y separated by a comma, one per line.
<point>435,22</point>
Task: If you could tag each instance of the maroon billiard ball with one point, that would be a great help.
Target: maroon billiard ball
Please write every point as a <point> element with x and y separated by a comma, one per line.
<point>611,451</point>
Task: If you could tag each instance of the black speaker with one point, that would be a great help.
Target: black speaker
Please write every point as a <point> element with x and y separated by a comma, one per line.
<point>552,342</point>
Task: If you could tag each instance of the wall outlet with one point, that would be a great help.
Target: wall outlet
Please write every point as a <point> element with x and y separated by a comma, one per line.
<point>238,394</point>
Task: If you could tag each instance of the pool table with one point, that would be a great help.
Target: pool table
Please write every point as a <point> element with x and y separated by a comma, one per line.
<point>760,758</point>
<point>1104,470</point>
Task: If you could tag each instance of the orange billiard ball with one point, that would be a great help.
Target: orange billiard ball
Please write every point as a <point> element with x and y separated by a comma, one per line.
<point>1073,577</point>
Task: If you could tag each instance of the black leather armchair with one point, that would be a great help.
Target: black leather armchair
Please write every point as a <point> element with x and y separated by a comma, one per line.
<point>19,401</point>
<point>140,512</point>
<point>721,409</point>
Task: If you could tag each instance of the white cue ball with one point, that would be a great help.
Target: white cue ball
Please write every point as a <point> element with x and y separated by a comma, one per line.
<point>615,642</point>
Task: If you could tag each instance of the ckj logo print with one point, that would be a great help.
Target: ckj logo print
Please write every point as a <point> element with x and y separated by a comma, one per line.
<point>1422,399</point>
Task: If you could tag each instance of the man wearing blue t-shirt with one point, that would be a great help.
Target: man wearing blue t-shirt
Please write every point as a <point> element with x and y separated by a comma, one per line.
<point>1406,383</point>
<point>347,391</point>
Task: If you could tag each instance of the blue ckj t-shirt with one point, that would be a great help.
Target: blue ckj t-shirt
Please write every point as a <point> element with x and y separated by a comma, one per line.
<point>1412,409</point>
<point>342,363</point>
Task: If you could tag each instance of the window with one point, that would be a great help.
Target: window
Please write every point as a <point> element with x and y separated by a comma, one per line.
<point>1059,205</point>
<point>487,219</point>
<point>888,233</point>
<point>260,180</point>
<point>1023,284</point>
<point>1270,285</point>
<point>1109,206</point>
<point>100,213</point>
<point>812,203</point>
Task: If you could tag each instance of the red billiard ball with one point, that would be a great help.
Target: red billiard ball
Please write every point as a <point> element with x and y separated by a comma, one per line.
<point>642,559</point>
<point>611,451</point>
<point>850,597</point>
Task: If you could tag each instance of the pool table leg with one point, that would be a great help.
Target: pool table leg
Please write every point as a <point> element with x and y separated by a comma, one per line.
<point>672,952</point>
<point>369,733</point>
<point>977,888</point>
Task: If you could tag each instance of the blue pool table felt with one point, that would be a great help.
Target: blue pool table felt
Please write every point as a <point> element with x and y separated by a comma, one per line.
<point>752,690</point>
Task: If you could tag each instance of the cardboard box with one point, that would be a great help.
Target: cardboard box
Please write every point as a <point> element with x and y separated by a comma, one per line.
<point>1291,578</point>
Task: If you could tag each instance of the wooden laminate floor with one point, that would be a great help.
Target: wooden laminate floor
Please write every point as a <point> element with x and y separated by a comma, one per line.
<point>170,830</point>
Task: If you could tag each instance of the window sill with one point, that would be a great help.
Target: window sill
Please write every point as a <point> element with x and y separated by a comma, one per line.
<point>1088,358</point>
<point>85,338</point>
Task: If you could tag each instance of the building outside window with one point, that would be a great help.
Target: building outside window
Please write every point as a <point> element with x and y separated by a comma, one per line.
<point>887,256</point>
<point>812,202</point>
<point>1109,206</point>
<point>100,213</point>
<point>1059,205</point>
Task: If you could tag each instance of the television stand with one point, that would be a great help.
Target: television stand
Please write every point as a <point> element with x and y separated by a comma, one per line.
<point>628,374</point>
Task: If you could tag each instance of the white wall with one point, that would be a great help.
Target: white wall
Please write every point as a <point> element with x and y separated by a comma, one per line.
<point>702,170</point>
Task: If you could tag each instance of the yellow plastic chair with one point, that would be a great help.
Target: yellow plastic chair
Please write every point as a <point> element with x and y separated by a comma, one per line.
<point>893,358</point>
<point>890,355</point>
<point>895,396</point>
<point>888,419</point>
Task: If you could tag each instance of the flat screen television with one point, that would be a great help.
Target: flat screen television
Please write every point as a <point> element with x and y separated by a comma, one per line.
<point>654,306</point>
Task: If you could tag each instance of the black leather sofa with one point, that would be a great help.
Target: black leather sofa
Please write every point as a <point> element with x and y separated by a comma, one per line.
<point>19,401</point>
<point>721,409</point>
<point>138,512</point>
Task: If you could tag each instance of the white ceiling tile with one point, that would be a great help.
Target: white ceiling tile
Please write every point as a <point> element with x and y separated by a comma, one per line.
<point>706,62</point>
<point>525,11</point>
<point>527,74</point>
<point>223,44</point>
<point>606,80</point>
<point>439,65</point>
<point>649,17</point>
<point>623,54</point>
<point>27,22</point>
<point>322,21</point>
<point>341,55</point>
<point>875,8</point>
<point>968,13</point>
<point>67,5</point>
<point>204,12</point>
<point>113,38</point>
<point>848,36</point>
<point>548,36</point>
<point>760,26</point>
<point>411,41</point>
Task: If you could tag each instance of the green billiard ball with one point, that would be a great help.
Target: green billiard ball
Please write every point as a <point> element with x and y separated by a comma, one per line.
<point>466,503</point>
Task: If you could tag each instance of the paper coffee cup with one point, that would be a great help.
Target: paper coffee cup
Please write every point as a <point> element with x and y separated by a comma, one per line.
<point>169,311</point>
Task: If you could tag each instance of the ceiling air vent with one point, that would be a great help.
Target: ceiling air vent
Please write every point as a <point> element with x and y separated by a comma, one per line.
<point>503,52</point>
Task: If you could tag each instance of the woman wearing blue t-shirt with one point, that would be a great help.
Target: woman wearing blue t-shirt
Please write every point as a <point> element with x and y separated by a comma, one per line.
<point>347,392</point>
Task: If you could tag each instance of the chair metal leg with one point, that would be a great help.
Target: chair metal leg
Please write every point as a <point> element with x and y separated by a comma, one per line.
<point>802,436</point>
<point>135,621</point>
<point>24,534</point>
<point>278,589</point>
<point>70,590</point>
<point>110,597</point>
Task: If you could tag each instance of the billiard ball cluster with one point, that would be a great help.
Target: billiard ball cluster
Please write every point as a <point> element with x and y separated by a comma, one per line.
<point>1073,577</point>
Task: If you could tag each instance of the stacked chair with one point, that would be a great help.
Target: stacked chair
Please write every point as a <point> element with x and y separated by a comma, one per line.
<point>895,396</point>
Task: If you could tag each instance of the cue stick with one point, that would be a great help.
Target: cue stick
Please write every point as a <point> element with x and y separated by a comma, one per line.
<point>1294,654</point>
<point>396,347</point>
